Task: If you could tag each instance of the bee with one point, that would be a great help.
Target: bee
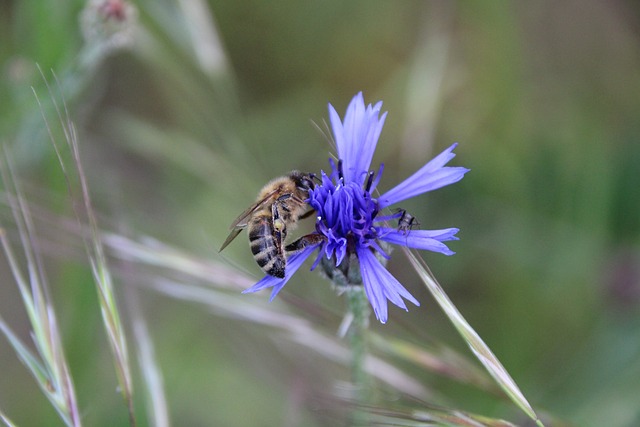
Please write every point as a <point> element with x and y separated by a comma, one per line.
<point>406,221</point>
<point>278,207</point>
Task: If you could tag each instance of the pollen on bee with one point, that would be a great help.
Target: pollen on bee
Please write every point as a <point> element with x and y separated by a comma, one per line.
<point>278,224</point>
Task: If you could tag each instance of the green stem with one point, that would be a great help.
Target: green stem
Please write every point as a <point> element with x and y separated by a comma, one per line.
<point>346,278</point>
<point>358,307</point>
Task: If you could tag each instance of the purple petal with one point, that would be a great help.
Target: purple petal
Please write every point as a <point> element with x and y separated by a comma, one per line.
<point>356,136</point>
<point>380,285</point>
<point>294,262</point>
<point>430,177</point>
<point>429,240</point>
<point>376,180</point>
<point>338,133</point>
<point>369,141</point>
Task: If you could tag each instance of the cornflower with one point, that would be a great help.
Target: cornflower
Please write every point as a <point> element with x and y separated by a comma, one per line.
<point>354,234</point>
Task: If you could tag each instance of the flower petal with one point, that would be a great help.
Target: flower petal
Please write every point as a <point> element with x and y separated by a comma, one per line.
<point>430,177</point>
<point>356,136</point>
<point>338,132</point>
<point>429,240</point>
<point>294,262</point>
<point>380,285</point>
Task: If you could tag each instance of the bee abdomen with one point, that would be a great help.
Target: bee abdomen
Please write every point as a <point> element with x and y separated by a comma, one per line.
<point>275,266</point>
<point>265,248</point>
<point>268,257</point>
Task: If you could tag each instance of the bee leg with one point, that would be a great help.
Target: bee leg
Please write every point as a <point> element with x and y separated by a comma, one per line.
<point>306,214</point>
<point>279,226</point>
<point>282,202</point>
<point>303,242</point>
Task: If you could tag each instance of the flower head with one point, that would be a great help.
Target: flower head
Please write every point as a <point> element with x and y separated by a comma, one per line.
<point>348,210</point>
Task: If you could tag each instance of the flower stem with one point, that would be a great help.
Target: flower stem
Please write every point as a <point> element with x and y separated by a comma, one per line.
<point>347,278</point>
<point>358,307</point>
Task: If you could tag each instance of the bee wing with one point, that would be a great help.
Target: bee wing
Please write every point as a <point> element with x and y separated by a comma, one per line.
<point>234,233</point>
<point>241,222</point>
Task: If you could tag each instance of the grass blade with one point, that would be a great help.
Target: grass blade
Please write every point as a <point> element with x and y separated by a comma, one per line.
<point>157,407</point>
<point>434,416</point>
<point>443,361</point>
<point>7,422</point>
<point>297,329</point>
<point>32,363</point>
<point>473,340</point>
<point>49,366</point>
<point>95,252</point>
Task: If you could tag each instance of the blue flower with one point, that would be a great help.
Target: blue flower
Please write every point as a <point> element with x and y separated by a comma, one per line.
<point>349,213</point>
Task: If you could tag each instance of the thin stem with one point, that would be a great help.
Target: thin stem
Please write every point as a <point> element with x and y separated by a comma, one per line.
<point>358,307</point>
<point>347,278</point>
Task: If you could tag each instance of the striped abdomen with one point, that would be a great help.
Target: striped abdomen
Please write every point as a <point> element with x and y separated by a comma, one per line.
<point>266,245</point>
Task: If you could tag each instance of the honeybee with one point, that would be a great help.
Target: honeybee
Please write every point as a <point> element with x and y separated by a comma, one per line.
<point>278,207</point>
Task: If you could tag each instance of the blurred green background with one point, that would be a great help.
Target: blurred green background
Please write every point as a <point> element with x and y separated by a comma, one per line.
<point>185,109</point>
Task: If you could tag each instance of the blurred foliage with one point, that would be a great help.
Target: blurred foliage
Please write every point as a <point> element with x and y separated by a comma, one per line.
<point>182,122</point>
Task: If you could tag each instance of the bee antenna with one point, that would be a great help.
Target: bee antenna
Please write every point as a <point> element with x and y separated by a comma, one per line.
<point>340,174</point>
<point>316,177</point>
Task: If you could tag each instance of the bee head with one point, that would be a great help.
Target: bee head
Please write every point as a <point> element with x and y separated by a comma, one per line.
<point>303,181</point>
